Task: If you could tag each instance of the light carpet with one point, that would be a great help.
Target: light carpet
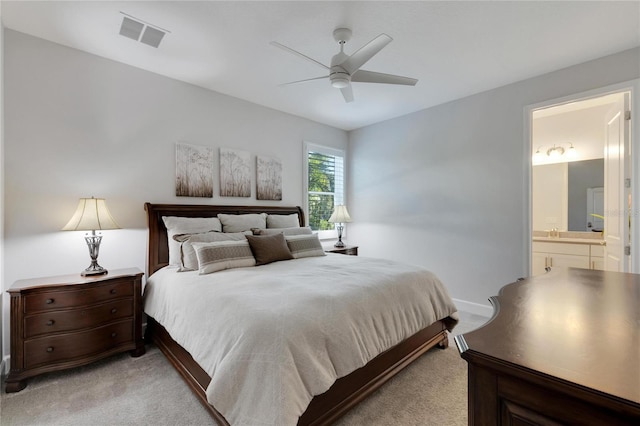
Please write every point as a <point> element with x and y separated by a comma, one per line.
<point>147,390</point>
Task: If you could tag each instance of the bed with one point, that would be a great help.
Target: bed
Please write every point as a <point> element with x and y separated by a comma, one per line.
<point>346,391</point>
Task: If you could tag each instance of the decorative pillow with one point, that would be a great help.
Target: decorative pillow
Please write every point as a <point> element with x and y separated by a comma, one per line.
<point>269,248</point>
<point>286,231</point>
<point>213,257</point>
<point>283,221</point>
<point>186,225</point>
<point>242,222</point>
<point>189,258</point>
<point>304,246</point>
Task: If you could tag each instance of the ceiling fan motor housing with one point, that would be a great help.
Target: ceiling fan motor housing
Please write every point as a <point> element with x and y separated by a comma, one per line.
<point>339,79</point>
<point>338,76</point>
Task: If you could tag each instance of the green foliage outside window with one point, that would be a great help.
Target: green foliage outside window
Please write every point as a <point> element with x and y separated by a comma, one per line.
<point>322,175</point>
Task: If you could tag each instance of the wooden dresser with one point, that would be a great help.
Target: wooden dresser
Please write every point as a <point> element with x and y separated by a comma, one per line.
<point>67,321</point>
<point>561,348</point>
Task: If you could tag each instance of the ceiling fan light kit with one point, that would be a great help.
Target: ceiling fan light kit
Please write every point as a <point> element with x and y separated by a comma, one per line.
<point>345,69</point>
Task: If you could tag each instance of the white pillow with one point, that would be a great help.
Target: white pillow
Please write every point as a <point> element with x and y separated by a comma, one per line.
<point>283,221</point>
<point>186,225</point>
<point>189,258</point>
<point>304,245</point>
<point>242,222</point>
<point>217,256</point>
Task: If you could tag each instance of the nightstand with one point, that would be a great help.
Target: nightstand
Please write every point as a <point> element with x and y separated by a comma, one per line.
<point>67,321</point>
<point>349,250</point>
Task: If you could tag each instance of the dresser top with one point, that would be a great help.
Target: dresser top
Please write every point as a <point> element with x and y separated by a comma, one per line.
<point>72,279</point>
<point>577,325</point>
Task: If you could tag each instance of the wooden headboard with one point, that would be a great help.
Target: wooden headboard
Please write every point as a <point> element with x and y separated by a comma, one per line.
<point>157,245</point>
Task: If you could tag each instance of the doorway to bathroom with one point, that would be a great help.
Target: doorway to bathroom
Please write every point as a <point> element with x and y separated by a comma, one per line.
<point>580,182</point>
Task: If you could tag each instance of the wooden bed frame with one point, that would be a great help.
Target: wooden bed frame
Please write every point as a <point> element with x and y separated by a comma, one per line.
<point>324,409</point>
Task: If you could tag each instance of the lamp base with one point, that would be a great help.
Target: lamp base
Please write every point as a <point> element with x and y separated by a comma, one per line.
<point>339,244</point>
<point>93,242</point>
<point>93,270</point>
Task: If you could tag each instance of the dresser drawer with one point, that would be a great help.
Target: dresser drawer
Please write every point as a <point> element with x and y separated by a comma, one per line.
<point>66,347</point>
<point>58,299</point>
<point>59,321</point>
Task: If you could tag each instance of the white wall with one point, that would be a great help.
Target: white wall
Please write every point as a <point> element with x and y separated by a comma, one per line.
<point>79,125</point>
<point>448,187</point>
<point>550,197</point>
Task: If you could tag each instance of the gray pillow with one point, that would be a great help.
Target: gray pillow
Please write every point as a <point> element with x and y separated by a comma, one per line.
<point>304,246</point>
<point>186,225</point>
<point>283,221</point>
<point>188,256</point>
<point>242,222</point>
<point>217,256</point>
<point>286,231</point>
<point>269,248</point>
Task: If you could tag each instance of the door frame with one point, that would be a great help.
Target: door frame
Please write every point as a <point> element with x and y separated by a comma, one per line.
<point>633,87</point>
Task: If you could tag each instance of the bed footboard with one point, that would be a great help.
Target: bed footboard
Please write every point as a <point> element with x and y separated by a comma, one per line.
<point>324,409</point>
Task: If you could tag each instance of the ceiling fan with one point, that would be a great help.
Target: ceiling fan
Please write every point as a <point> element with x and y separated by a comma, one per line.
<point>345,69</point>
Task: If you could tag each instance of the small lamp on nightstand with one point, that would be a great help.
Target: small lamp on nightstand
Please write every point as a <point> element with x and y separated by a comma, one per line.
<point>91,214</point>
<point>340,215</point>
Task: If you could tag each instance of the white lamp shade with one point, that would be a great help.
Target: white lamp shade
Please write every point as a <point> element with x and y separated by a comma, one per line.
<point>340,215</point>
<point>91,214</point>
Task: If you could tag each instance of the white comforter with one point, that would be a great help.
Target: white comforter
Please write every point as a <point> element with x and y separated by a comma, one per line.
<point>273,336</point>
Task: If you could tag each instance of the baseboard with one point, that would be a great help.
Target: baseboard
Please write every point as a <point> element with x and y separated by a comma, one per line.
<point>474,308</point>
<point>4,365</point>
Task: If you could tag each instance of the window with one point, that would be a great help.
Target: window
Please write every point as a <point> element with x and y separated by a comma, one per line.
<point>325,186</point>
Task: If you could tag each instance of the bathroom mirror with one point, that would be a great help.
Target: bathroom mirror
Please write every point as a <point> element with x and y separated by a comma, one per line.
<point>565,195</point>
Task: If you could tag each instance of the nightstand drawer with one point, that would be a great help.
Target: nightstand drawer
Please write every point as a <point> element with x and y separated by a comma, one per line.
<point>54,300</point>
<point>59,321</point>
<point>66,347</point>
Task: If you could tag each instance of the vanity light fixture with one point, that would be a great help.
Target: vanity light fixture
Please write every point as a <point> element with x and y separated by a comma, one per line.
<point>555,151</point>
<point>537,156</point>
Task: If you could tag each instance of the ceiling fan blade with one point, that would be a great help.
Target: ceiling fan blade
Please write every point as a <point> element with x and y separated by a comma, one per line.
<point>290,50</point>
<point>363,76</point>
<point>347,92</point>
<point>305,80</point>
<point>366,52</point>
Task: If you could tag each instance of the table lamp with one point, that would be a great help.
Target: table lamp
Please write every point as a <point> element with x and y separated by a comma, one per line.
<point>340,215</point>
<point>92,214</point>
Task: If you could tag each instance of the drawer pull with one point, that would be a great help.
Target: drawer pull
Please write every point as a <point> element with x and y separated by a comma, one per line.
<point>50,322</point>
<point>49,301</point>
<point>114,310</point>
<point>114,334</point>
<point>113,291</point>
<point>50,349</point>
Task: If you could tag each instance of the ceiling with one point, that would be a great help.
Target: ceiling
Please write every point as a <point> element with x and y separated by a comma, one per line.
<point>453,48</point>
<point>580,124</point>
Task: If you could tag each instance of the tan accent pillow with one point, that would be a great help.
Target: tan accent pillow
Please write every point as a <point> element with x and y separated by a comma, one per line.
<point>283,221</point>
<point>177,225</point>
<point>217,256</point>
<point>269,248</point>
<point>188,256</point>
<point>286,231</point>
<point>242,222</point>
<point>304,246</point>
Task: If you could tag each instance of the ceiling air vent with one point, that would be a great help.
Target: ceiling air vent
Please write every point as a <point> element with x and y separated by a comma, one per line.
<point>141,31</point>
